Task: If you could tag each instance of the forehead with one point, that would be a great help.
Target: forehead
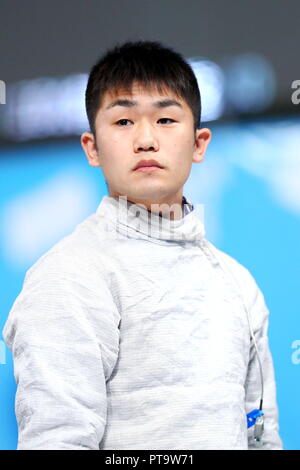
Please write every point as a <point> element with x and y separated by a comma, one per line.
<point>138,93</point>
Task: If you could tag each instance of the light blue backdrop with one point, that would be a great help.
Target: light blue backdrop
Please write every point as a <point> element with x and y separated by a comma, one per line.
<point>249,185</point>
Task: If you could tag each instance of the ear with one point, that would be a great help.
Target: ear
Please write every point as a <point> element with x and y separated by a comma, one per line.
<point>89,146</point>
<point>202,140</point>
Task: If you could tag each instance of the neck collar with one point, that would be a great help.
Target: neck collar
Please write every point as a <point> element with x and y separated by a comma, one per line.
<point>135,221</point>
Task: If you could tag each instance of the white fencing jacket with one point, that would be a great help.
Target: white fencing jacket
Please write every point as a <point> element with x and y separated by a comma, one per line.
<point>131,333</point>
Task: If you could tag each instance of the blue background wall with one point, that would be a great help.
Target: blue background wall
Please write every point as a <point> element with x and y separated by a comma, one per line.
<point>249,185</point>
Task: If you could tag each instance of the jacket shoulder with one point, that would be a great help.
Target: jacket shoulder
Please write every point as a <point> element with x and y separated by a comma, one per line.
<point>245,282</point>
<point>78,252</point>
<point>237,268</point>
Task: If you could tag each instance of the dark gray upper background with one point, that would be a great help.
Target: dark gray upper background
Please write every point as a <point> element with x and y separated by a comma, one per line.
<point>48,38</point>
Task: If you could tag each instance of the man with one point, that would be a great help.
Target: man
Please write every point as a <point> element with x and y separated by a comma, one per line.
<point>133,331</point>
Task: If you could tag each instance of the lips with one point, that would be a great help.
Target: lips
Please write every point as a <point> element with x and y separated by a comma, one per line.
<point>147,169</point>
<point>147,163</point>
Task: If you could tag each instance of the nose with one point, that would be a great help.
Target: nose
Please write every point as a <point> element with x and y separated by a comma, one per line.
<point>145,138</point>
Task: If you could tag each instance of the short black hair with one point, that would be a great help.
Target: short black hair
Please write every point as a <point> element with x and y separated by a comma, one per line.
<point>149,63</point>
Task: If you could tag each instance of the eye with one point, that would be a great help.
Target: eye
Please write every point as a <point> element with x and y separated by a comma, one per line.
<point>166,119</point>
<point>122,120</point>
<point>127,120</point>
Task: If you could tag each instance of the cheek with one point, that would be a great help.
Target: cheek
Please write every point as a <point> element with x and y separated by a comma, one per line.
<point>111,148</point>
<point>107,136</point>
<point>184,141</point>
<point>109,143</point>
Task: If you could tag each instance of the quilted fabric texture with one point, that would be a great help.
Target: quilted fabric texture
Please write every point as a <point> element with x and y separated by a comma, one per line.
<point>131,333</point>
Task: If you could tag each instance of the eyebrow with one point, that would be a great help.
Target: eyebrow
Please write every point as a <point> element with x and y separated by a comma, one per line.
<point>157,104</point>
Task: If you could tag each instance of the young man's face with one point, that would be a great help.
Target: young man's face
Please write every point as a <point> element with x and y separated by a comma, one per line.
<point>144,126</point>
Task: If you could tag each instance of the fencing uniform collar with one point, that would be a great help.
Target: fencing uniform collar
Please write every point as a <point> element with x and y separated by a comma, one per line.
<point>135,221</point>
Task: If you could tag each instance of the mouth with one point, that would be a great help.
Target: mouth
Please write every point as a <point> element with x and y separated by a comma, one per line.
<point>147,166</point>
<point>147,169</point>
